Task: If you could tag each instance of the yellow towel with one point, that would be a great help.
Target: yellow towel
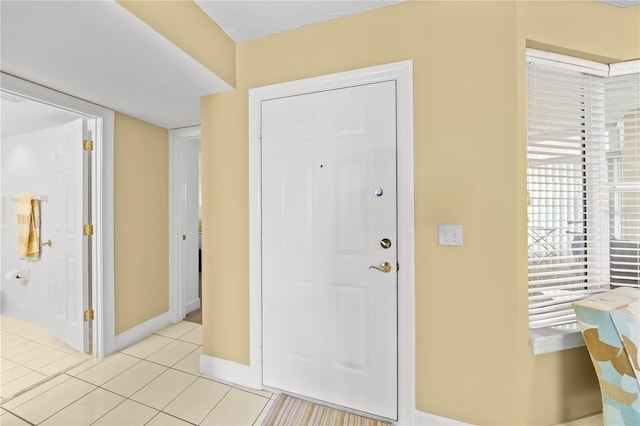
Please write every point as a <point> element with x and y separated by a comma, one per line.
<point>28,216</point>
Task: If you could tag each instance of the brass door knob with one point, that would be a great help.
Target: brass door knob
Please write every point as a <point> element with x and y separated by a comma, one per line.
<point>384,267</point>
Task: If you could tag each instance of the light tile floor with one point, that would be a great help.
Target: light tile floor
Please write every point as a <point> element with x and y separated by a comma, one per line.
<point>154,382</point>
<point>30,355</point>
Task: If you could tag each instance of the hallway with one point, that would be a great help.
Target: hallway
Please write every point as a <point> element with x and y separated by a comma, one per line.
<point>154,382</point>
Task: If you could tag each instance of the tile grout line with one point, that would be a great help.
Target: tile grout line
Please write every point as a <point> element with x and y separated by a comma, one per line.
<point>167,368</point>
<point>185,389</point>
<point>40,383</point>
<point>119,404</point>
<point>39,370</point>
<point>198,346</point>
<point>21,418</point>
<point>169,403</point>
<point>125,398</point>
<point>147,384</point>
<point>56,412</point>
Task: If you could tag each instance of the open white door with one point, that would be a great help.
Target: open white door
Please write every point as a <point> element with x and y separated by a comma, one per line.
<point>62,225</point>
<point>329,206</point>
<point>184,214</point>
<point>189,216</point>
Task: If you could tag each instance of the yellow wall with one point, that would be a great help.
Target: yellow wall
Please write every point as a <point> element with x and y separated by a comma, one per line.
<point>474,361</point>
<point>188,27</point>
<point>141,204</point>
<point>142,167</point>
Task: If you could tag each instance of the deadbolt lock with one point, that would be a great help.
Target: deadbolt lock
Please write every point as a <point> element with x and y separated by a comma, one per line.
<point>385,243</point>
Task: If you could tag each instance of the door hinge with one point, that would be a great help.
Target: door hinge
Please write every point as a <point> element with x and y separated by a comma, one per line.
<point>87,145</point>
<point>87,229</point>
<point>89,315</point>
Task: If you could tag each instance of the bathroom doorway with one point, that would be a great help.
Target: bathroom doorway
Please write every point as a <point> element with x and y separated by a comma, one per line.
<point>43,294</point>
<point>185,234</point>
<point>32,114</point>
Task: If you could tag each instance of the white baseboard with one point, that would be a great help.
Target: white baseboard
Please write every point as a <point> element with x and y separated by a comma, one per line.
<point>594,420</point>
<point>240,374</point>
<point>228,371</point>
<point>139,332</point>
<point>25,315</point>
<point>428,419</point>
<point>192,305</point>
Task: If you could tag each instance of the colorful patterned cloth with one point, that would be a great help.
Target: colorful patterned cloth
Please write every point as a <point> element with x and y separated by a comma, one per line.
<point>610,324</point>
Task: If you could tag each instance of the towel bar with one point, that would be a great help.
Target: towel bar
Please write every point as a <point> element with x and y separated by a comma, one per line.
<point>44,198</point>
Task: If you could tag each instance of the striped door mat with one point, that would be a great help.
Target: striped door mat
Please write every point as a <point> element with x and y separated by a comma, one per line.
<point>290,411</point>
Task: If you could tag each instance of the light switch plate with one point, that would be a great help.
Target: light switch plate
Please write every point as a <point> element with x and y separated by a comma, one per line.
<point>450,235</point>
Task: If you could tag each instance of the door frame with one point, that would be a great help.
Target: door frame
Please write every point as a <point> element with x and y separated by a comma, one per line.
<point>402,74</point>
<point>102,241</point>
<point>176,167</point>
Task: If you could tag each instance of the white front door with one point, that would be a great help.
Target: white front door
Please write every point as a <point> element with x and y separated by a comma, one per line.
<point>62,224</point>
<point>328,221</point>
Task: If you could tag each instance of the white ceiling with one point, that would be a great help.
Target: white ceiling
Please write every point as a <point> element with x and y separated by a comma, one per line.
<point>99,52</point>
<point>251,19</point>
<point>20,115</point>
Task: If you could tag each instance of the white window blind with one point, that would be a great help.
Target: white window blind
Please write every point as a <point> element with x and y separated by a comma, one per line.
<point>582,182</point>
<point>622,101</point>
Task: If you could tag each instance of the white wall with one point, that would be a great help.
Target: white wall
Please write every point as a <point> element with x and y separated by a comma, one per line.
<point>24,160</point>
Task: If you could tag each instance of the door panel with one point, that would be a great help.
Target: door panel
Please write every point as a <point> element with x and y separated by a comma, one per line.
<point>62,224</point>
<point>296,205</point>
<point>329,321</point>
<point>352,206</point>
<point>351,328</point>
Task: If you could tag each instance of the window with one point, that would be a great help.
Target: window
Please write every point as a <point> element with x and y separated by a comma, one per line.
<point>622,121</point>
<point>583,182</point>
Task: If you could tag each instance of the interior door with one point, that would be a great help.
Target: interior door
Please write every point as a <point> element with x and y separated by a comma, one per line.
<point>329,246</point>
<point>189,214</point>
<point>62,224</point>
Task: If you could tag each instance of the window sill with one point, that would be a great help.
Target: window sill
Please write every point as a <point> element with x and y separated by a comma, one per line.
<point>556,338</point>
